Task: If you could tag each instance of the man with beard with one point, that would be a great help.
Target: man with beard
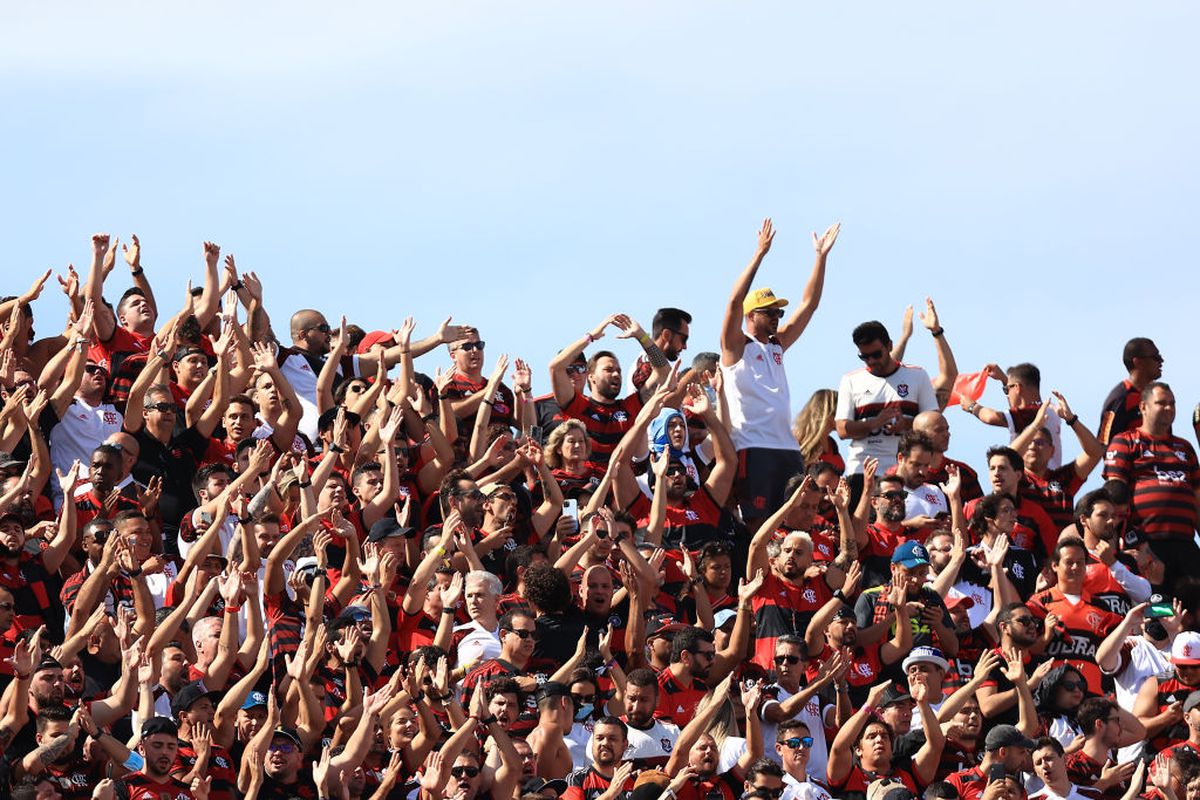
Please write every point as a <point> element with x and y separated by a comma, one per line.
<point>609,741</point>
<point>790,595</point>
<point>650,740</point>
<point>834,629</point>
<point>31,577</point>
<point>877,541</point>
<point>158,747</point>
<point>756,385</point>
<point>925,502</point>
<point>603,412</point>
<point>1019,631</point>
<point>1122,409</point>
<point>1106,727</point>
<point>699,752</point>
<point>1160,701</point>
<point>286,777</point>
<point>1109,581</point>
<point>931,624</point>
<point>668,339</point>
<point>198,755</point>
<point>1034,530</point>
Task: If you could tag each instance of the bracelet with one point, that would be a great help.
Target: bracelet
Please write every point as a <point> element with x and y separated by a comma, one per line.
<point>375,587</point>
<point>336,448</point>
<point>418,697</point>
<point>244,521</point>
<point>238,284</point>
<point>1071,422</point>
<point>304,484</point>
<point>604,668</point>
<point>24,677</point>
<point>137,273</point>
<point>487,721</point>
<point>843,689</point>
<point>133,573</point>
<point>590,337</point>
<point>429,418</point>
<point>840,595</point>
<point>938,331</point>
<point>232,609</point>
<point>444,396</point>
<point>161,354</point>
<point>441,551</point>
<point>449,610</point>
<point>491,403</point>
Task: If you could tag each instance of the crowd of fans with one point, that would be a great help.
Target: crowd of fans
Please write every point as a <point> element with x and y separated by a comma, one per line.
<point>239,561</point>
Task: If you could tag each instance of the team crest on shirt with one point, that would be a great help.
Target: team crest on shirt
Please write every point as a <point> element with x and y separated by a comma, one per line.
<point>902,389</point>
<point>1054,486</point>
<point>692,516</point>
<point>666,744</point>
<point>620,416</point>
<point>810,596</point>
<point>110,418</point>
<point>1018,570</point>
<point>864,670</point>
<point>1093,620</point>
<point>778,358</point>
<point>1180,455</point>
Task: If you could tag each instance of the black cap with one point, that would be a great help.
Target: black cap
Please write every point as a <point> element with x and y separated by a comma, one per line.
<point>1007,736</point>
<point>386,527</point>
<point>537,785</point>
<point>845,612</point>
<point>895,694</point>
<point>662,625</point>
<point>551,689</point>
<point>189,695</point>
<point>159,725</point>
<point>288,733</point>
<point>47,662</point>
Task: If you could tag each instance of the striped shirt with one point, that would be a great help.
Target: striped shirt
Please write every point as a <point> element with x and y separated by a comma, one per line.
<point>1164,475</point>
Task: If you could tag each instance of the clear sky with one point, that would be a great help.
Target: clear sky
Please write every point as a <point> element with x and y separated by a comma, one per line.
<point>532,167</point>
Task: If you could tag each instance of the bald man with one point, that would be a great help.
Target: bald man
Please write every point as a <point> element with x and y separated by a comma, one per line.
<point>934,425</point>
<point>312,340</point>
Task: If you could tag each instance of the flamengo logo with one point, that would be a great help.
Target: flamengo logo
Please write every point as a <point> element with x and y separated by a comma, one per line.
<point>810,596</point>
<point>864,670</point>
<point>1187,651</point>
<point>1093,620</point>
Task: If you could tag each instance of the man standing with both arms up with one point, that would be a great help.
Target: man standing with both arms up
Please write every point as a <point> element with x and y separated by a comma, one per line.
<point>756,385</point>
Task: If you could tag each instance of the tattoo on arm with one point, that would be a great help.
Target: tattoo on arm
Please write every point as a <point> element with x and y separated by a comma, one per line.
<point>48,753</point>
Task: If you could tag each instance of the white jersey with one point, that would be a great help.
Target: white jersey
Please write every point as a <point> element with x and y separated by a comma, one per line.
<point>862,395</point>
<point>806,790</point>
<point>301,373</point>
<point>810,715</point>
<point>81,429</point>
<point>760,406</point>
<point>927,499</point>
<point>650,747</point>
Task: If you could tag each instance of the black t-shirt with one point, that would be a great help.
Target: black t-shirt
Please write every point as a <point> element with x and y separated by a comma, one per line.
<point>176,464</point>
<point>558,636</point>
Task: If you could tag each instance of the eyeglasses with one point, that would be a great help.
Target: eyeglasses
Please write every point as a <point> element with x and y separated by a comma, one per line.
<point>773,313</point>
<point>765,793</point>
<point>464,772</point>
<point>709,654</point>
<point>796,742</point>
<point>507,496</point>
<point>676,469</point>
<point>1008,387</point>
<point>164,408</point>
<point>471,494</point>
<point>469,346</point>
<point>1072,686</point>
<point>323,328</point>
<point>283,747</point>
<point>1153,357</point>
<point>683,337</point>
<point>580,699</point>
<point>1026,621</point>
<point>576,369</point>
<point>793,660</point>
<point>874,355</point>
<point>523,634</point>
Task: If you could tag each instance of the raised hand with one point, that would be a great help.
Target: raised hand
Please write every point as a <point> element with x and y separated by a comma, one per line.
<point>746,591</point>
<point>929,317</point>
<point>953,485</point>
<point>133,255</point>
<point>628,325</point>
<point>452,333</point>
<point>824,243</point>
<point>522,377</point>
<point>1061,407</point>
<point>403,335</point>
<point>500,369</point>
<point>69,284</point>
<point>766,235</point>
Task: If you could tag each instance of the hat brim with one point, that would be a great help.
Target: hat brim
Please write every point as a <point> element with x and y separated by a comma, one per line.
<point>778,302</point>
<point>1185,662</point>
<point>667,630</point>
<point>909,563</point>
<point>940,662</point>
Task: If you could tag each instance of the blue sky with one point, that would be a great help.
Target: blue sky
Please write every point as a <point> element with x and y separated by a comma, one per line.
<point>533,167</point>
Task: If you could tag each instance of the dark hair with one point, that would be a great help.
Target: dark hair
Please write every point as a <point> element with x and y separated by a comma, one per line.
<point>1051,742</point>
<point>244,399</point>
<point>643,678</point>
<point>1087,504</point>
<point>687,639</point>
<point>940,790</point>
<point>893,478</point>
<point>503,686</point>
<point>595,359</point>
<point>1150,387</point>
<point>763,766</point>
<point>60,713</point>
<point>711,550</point>
<point>615,722</point>
<point>669,318</point>
<point>1008,610</point>
<point>814,471</point>
<point>449,488</point>
<point>547,588</point>
<point>1091,711</point>
<point>363,469</point>
<point>1136,348</point>
<point>913,439</point>
<point>1014,458</point>
<point>506,621</point>
<point>109,450</point>
<point>987,508</point>
<point>891,734</point>
<point>1065,543</point>
<point>1118,492</point>
<point>1027,374</point>
<point>521,556</point>
<point>790,725</point>
<point>868,332</point>
<point>127,515</point>
<point>429,654</point>
<point>582,675</point>
<point>201,476</point>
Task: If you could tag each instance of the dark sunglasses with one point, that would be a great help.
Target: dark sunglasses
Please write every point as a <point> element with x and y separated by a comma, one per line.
<point>1071,686</point>
<point>165,408</point>
<point>1029,622</point>
<point>464,772</point>
<point>469,346</point>
<point>580,699</point>
<point>676,469</point>
<point>92,369</point>
<point>283,747</point>
<point>796,742</point>
<point>576,369</point>
<point>524,634</point>
<point>765,793</point>
<point>894,494</point>
<point>793,660</point>
<point>773,313</point>
<point>323,328</point>
<point>683,337</point>
<point>874,355</point>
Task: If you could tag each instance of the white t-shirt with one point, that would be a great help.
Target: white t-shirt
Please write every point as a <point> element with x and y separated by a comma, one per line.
<point>810,715</point>
<point>795,790</point>
<point>300,374</point>
<point>1046,793</point>
<point>1053,424</point>
<point>656,742</point>
<point>760,406</point>
<point>862,395</point>
<point>80,430</point>
<point>478,645</point>
<point>926,499</point>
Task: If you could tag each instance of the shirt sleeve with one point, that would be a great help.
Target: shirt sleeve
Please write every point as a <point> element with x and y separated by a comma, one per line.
<point>844,409</point>
<point>1118,459</point>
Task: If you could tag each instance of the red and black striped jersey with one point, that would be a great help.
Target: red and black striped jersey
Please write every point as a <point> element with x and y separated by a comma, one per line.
<point>854,787</point>
<point>138,786</point>
<point>503,404</point>
<point>1034,530</point>
<point>77,779</point>
<point>221,769</point>
<point>677,703</point>
<point>285,624</point>
<point>606,423</point>
<point>1055,492</point>
<point>971,490</point>
<point>588,784</point>
<point>1083,627</point>
<point>781,607</point>
<point>1164,476</point>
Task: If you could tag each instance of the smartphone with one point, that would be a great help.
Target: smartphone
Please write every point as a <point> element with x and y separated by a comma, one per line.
<point>997,772</point>
<point>535,434</point>
<point>571,508</point>
<point>1160,610</point>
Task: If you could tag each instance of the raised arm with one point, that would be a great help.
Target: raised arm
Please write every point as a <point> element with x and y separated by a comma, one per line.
<point>93,288</point>
<point>733,341</point>
<point>790,330</point>
<point>564,390</point>
<point>756,556</point>
<point>947,366</point>
<point>700,723</point>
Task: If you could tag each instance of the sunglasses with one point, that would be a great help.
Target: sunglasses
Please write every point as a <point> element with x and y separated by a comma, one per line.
<point>874,355</point>
<point>580,699</point>
<point>894,494</point>
<point>576,369</point>
<point>683,337</point>
<point>523,635</point>
<point>464,772</point>
<point>165,408</point>
<point>796,742</point>
<point>773,313</point>
<point>469,346</point>
<point>92,369</point>
<point>793,660</point>
<point>1071,686</point>
<point>1028,622</point>
<point>765,793</point>
<point>283,747</point>
<point>676,469</point>
<point>323,328</point>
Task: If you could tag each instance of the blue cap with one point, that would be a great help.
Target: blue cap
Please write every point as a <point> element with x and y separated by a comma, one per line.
<point>254,700</point>
<point>911,554</point>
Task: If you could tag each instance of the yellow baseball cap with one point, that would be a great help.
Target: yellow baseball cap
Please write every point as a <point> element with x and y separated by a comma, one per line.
<point>762,298</point>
